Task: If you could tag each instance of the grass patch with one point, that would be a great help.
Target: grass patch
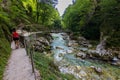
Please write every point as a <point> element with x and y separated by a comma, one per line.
<point>4,55</point>
<point>48,70</point>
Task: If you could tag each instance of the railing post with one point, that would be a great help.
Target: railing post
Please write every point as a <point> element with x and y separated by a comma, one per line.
<point>31,56</point>
<point>25,46</point>
<point>30,50</point>
<point>31,53</point>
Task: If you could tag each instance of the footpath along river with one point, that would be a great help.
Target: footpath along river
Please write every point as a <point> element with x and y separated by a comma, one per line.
<point>82,69</point>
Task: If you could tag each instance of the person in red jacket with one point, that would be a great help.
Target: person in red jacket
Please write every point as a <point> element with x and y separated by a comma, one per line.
<point>15,37</point>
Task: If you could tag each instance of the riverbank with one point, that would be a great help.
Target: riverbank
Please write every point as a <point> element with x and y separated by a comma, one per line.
<point>65,51</point>
<point>57,59</point>
<point>43,57</point>
<point>48,70</point>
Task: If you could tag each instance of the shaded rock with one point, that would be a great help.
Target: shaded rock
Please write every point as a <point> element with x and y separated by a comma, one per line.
<point>43,41</point>
<point>72,43</point>
<point>83,49</point>
<point>83,42</point>
<point>58,47</point>
<point>101,53</point>
<point>64,34</point>
<point>37,43</point>
<point>75,44</point>
<point>98,70</point>
<point>119,55</point>
<point>115,59</point>
<point>81,55</point>
<point>61,55</point>
<point>92,67</point>
<point>91,51</point>
<point>69,44</point>
<point>69,51</point>
<point>117,63</point>
<point>89,46</point>
<point>41,44</point>
<point>100,49</point>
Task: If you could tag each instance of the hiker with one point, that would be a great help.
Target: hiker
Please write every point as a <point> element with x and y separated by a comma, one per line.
<point>15,37</point>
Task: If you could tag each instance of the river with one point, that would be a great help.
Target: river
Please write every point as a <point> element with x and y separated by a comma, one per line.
<point>82,69</point>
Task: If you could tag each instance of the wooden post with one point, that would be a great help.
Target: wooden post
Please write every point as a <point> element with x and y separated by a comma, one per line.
<point>32,61</point>
<point>25,46</point>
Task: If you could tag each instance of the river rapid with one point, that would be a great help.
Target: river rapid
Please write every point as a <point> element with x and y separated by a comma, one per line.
<point>83,69</point>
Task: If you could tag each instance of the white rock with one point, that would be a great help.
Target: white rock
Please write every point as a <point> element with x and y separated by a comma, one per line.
<point>83,73</point>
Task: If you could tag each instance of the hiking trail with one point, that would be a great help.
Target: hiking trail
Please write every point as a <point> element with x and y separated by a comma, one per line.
<point>19,67</point>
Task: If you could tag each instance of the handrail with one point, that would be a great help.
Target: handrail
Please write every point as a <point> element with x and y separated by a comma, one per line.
<point>30,50</point>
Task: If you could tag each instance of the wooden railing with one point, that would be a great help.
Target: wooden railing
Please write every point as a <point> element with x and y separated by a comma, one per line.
<point>30,51</point>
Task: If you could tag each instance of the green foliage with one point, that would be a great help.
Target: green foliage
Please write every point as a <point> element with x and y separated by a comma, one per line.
<point>4,55</point>
<point>57,24</point>
<point>47,14</point>
<point>114,40</point>
<point>4,18</point>
<point>42,13</point>
<point>4,44</point>
<point>110,25</point>
<point>77,16</point>
<point>48,70</point>
<point>77,13</point>
<point>91,17</point>
<point>31,3</point>
<point>15,12</point>
<point>91,32</point>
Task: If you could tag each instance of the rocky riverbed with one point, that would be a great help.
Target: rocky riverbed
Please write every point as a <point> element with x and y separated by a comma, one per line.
<point>80,60</point>
<point>77,57</point>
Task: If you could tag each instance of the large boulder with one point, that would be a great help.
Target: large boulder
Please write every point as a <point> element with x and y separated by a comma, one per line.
<point>41,44</point>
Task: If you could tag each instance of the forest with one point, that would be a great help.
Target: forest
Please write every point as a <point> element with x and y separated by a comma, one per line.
<point>95,20</point>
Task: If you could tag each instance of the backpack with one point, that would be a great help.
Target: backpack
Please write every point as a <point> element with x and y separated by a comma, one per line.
<point>15,35</point>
